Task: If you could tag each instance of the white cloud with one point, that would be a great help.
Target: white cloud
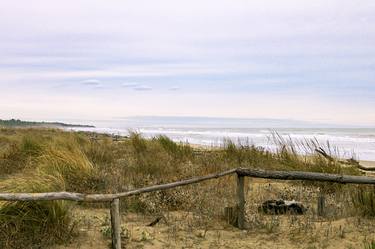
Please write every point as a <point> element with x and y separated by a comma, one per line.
<point>199,44</point>
<point>91,82</point>
<point>136,86</point>
<point>174,88</point>
<point>142,88</point>
<point>129,85</point>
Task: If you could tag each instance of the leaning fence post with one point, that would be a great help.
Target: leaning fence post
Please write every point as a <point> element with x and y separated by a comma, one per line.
<point>115,224</point>
<point>240,201</point>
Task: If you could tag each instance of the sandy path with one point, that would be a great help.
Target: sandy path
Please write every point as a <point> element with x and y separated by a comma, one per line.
<point>179,232</point>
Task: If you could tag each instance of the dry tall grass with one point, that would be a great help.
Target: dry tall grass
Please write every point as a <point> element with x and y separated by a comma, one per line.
<point>42,160</point>
<point>33,223</point>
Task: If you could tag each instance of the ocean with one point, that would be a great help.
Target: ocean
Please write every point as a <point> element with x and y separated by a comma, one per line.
<point>345,142</point>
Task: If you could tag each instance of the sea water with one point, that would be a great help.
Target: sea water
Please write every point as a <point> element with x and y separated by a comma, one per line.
<point>345,142</point>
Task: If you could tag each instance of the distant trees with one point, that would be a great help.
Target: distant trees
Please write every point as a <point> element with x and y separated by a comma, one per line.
<point>16,122</point>
<point>19,123</point>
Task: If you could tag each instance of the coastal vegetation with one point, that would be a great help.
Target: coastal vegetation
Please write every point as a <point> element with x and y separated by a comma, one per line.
<point>21,123</point>
<point>48,160</point>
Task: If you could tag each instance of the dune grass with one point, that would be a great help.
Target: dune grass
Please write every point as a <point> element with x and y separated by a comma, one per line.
<point>40,162</point>
<point>363,198</point>
<point>43,160</point>
<point>33,223</point>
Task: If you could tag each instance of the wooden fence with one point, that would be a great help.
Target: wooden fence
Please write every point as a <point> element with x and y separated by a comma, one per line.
<point>241,174</point>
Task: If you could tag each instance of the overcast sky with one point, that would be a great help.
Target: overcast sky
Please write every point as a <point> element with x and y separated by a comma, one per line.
<point>306,60</point>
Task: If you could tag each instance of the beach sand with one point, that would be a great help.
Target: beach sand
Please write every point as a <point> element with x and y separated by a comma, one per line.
<point>369,164</point>
<point>182,229</point>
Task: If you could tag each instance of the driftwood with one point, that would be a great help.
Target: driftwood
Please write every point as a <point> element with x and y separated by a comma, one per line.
<point>306,176</point>
<point>365,168</point>
<point>349,162</point>
<point>106,197</point>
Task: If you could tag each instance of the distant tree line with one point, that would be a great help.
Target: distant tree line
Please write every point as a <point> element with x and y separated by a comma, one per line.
<point>20,123</point>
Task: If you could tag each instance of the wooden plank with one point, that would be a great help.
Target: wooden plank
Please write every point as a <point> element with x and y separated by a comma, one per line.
<point>307,176</point>
<point>106,197</point>
<point>281,175</point>
<point>321,203</point>
<point>116,224</point>
<point>42,196</point>
<point>241,201</point>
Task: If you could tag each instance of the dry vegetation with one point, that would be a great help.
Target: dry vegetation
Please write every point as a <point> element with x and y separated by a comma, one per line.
<point>43,160</point>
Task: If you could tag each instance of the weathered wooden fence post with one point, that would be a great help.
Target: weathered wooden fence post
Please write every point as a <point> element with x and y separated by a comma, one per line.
<point>116,224</point>
<point>241,201</point>
<point>321,203</point>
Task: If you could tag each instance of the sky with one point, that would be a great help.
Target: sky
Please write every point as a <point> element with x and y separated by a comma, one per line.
<point>78,59</point>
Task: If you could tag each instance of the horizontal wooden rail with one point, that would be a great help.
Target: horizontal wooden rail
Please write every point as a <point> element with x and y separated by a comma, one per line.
<point>106,197</point>
<point>241,173</point>
<point>306,176</point>
<point>256,173</point>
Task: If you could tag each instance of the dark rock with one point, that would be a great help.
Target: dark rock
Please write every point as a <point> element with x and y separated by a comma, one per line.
<point>282,207</point>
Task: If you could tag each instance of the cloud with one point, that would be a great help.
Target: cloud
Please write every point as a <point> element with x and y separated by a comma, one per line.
<point>99,86</point>
<point>136,86</point>
<point>91,82</point>
<point>94,84</point>
<point>129,85</point>
<point>142,88</point>
<point>263,47</point>
<point>174,88</point>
